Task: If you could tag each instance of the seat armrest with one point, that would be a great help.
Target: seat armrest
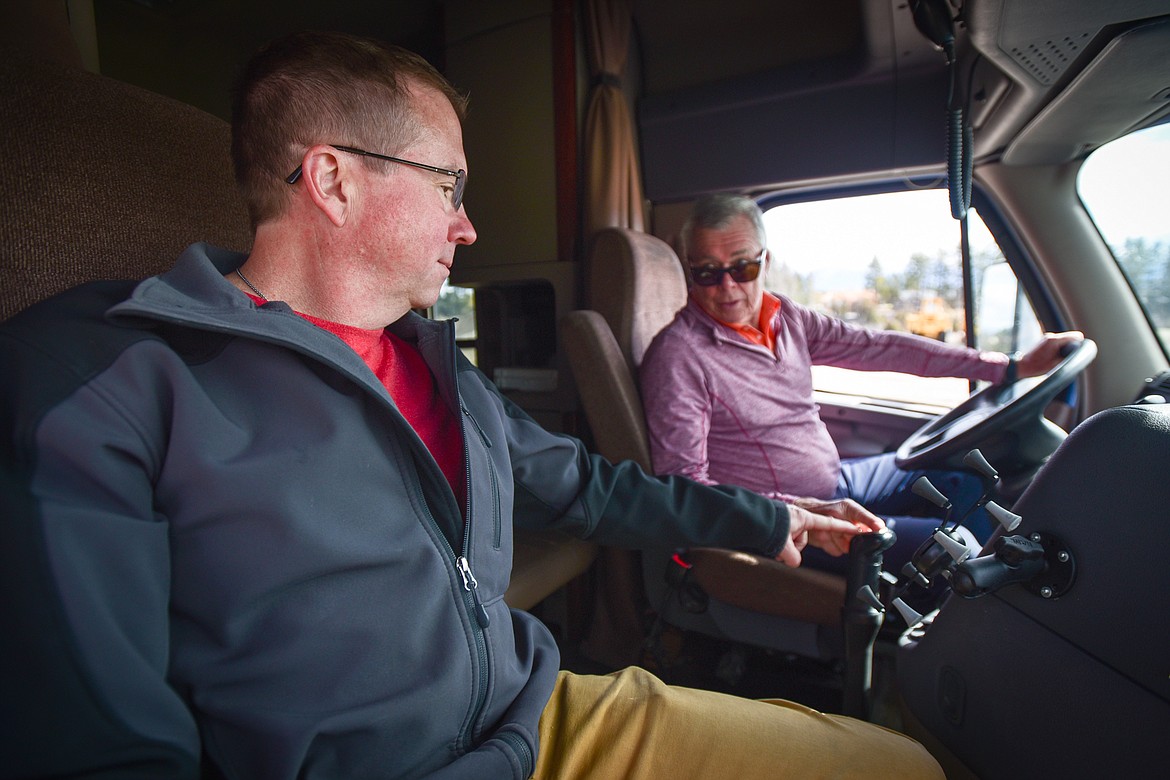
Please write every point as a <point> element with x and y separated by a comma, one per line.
<point>542,562</point>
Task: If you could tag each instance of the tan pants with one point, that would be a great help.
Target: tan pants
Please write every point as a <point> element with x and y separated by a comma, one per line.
<point>630,724</point>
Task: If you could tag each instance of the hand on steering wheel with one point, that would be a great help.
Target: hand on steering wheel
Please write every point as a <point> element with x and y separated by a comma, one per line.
<point>1016,408</point>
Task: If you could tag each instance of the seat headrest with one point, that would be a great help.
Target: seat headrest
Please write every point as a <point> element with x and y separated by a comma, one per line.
<point>104,180</point>
<point>637,283</point>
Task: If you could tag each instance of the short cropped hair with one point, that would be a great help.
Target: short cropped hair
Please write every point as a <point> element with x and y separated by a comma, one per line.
<point>716,212</point>
<point>321,87</point>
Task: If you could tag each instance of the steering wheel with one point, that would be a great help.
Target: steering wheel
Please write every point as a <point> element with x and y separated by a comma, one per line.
<point>1006,421</point>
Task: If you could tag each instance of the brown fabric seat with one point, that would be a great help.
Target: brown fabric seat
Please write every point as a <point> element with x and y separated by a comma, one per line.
<point>637,284</point>
<point>103,180</point>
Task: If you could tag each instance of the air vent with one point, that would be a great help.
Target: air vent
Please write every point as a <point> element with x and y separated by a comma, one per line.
<point>1047,59</point>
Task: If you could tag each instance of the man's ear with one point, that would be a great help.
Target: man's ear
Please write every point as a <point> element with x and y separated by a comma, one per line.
<point>326,176</point>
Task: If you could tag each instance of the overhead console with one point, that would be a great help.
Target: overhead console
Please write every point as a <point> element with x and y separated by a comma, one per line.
<point>1050,65</point>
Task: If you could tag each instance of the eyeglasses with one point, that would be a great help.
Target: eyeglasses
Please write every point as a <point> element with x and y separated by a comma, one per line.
<point>460,175</point>
<point>742,271</point>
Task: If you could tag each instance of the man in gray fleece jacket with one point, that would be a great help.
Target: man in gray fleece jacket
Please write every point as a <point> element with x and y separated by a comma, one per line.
<point>258,514</point>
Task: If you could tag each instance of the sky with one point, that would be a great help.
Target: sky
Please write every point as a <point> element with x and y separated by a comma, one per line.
<point>1130,204</point>
<point>888,227</point>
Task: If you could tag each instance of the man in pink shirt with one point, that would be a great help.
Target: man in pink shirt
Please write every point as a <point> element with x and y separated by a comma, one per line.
<point>728,390</point>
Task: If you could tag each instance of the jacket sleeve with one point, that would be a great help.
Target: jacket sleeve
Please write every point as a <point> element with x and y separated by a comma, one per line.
<point>837,343</point>
<point>558,484</point>
<point>84,569</point>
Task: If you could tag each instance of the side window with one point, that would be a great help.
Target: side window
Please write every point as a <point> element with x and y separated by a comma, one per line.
<point>893,261</point>
<point>1123,185</point>
<point>459,302</point>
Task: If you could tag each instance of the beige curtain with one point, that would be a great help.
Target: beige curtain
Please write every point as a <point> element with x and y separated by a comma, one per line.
<point>613,198</point>
<point>613,187</point>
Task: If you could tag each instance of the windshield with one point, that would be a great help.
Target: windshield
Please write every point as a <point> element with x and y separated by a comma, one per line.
<point>891,261</point>
<point>1123,185</point>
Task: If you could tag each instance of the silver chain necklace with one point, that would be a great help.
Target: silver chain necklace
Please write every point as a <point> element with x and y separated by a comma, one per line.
<point>251,286</point>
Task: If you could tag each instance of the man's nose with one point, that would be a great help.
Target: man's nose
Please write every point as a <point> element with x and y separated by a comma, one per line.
<point>462,231</point>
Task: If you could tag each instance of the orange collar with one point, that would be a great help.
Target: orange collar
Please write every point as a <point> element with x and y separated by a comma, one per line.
<point>764,335</point>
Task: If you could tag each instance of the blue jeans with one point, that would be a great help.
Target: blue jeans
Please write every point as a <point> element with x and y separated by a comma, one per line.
<point>884,489</point>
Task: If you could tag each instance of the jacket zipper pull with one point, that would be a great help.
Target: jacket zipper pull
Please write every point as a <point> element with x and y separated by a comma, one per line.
<point>471,585</point>
<point>482,434</point>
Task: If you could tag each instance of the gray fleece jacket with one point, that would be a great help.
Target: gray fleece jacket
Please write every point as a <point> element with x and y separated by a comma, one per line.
<point>225,551</point>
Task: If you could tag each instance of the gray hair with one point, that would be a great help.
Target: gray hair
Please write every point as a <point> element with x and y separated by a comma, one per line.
<point>717,211</point>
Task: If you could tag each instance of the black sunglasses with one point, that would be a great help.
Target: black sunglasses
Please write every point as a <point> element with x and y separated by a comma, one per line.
<point>742,271</point>
<point>460,175</point>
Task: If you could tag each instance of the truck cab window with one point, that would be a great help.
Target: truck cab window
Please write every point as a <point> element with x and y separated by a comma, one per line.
<point>1123,185</point>
<point>459,302</point>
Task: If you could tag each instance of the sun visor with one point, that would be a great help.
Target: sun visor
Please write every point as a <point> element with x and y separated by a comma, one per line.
<point>1125,87</point>
<point>816,120</point>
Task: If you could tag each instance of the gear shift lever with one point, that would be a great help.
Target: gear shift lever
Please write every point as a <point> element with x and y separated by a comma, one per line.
<point>862,617</point>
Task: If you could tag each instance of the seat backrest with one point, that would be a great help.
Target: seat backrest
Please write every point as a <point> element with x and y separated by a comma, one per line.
<point>104,180</point>
<point>637,284</point>
<point>606,386</point>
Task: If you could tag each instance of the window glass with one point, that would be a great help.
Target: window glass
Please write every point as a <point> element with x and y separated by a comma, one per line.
<point>1123,185</point>
<point>892,261</point>
<point>458,302</point>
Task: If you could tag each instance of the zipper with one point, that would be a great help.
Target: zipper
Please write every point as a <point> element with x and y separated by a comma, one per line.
<point>482,435</point>
<point>487,443</point>
<point>473,605</point>
<point>463,564</point>
<point>471,585</point>
<point>759,349</point>
<point>521,749</point>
